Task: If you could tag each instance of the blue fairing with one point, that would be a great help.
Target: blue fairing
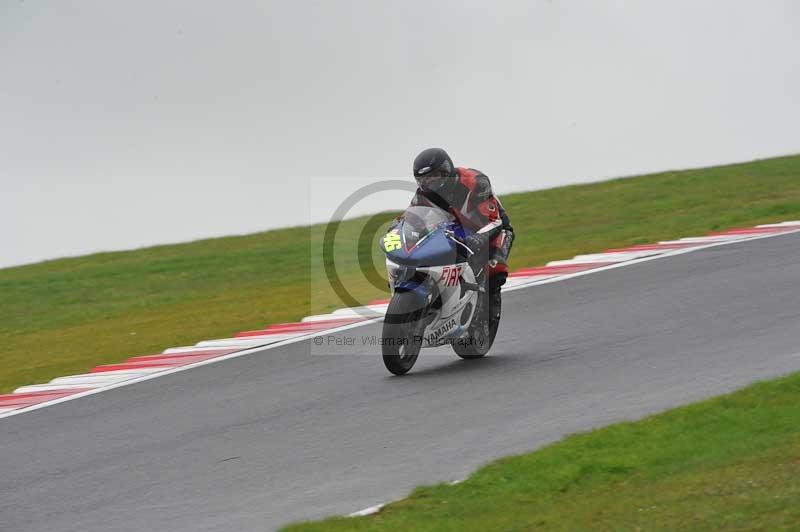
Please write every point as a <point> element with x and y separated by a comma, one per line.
<point>434,250</point>
<point>421,290</point>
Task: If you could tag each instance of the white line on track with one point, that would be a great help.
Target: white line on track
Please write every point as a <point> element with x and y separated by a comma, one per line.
<point>368,511</point>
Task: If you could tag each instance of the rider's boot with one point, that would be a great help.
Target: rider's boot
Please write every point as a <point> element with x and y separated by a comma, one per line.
<point>497,273</point>
<point>495,303</point>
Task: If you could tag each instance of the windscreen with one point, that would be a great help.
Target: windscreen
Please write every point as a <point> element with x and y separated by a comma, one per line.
<point>419,221</point>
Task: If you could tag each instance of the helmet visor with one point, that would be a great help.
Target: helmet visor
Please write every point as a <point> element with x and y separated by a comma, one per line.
<point>433,180</point>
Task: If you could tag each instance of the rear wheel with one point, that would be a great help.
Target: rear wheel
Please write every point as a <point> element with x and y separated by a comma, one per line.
<point>402,332</point>
<point>483,329</point>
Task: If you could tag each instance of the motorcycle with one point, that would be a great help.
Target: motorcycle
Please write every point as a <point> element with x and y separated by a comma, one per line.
<point>439,290</point>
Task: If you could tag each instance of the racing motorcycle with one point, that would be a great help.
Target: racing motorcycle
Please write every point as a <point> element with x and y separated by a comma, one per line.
<point>440,295</point>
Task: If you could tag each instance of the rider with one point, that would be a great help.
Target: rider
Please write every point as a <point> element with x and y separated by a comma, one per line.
<point>467,194</point>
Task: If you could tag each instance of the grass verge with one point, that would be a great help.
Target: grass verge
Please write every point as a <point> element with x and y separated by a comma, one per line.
<point>728,463</point>
<point>64,316</point>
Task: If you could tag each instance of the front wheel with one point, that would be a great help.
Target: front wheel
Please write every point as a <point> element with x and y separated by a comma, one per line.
<point>402,333</point>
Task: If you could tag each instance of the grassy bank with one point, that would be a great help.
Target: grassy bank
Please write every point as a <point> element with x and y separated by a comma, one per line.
<point>730,463</point>
<point>65,316</point>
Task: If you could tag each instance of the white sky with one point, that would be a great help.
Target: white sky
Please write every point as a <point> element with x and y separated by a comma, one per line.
<point>124,124</point>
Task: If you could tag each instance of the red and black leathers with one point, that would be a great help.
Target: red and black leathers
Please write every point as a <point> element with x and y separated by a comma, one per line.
<point>471,200</point>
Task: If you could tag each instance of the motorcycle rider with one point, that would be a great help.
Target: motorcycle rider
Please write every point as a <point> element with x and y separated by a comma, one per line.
<point>467,194</point>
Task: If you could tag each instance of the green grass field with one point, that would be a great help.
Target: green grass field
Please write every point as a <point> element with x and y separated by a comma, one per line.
<point>64,316</point>
<point>729,463</point>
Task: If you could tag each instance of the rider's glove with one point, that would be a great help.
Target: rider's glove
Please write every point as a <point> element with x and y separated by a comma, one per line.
<point>476,242</point>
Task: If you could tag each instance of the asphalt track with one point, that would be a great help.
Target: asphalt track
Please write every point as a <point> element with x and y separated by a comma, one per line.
<point>257,441</point>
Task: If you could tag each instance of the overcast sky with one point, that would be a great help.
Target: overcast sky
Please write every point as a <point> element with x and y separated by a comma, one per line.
<point>125,124</point>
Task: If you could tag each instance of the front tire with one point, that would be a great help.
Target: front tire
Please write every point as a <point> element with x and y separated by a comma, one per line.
<point>402,332</point>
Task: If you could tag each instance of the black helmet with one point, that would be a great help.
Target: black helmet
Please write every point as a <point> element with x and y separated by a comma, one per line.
<point>434,171</point>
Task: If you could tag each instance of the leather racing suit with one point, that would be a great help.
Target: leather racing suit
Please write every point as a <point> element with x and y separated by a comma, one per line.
<point>475,206</point>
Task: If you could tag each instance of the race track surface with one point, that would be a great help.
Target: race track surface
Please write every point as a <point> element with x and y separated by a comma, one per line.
<point>257,441</point>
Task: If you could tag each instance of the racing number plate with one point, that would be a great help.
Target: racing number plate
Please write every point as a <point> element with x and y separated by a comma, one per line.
<point>391,241</point>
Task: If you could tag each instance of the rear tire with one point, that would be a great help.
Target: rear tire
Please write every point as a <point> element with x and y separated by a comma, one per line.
<point>402,333</point>
<point>480,339</point>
